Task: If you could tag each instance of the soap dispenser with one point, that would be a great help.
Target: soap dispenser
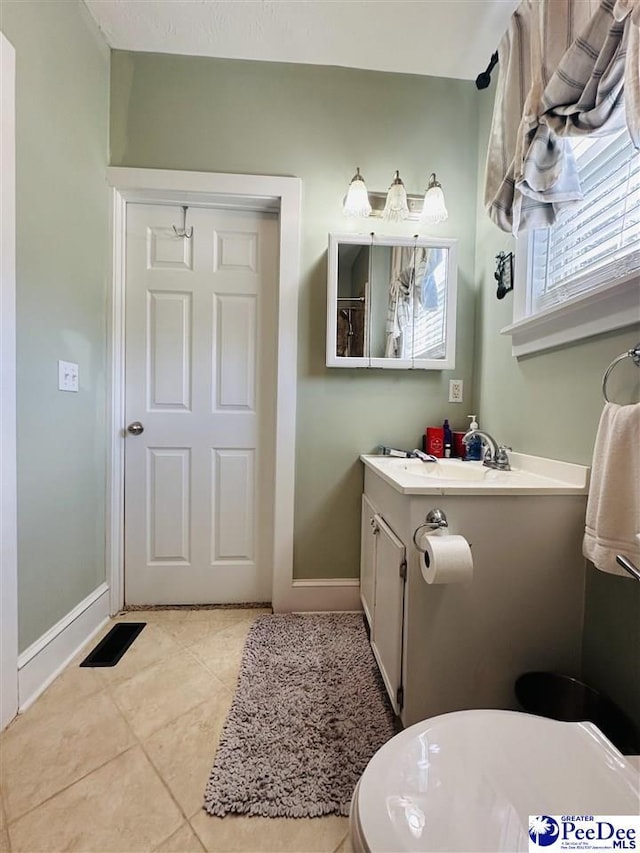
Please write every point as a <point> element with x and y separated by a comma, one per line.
<point>474,443</point>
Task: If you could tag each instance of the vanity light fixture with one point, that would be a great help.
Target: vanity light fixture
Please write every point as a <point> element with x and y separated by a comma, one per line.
<point>396,204</point>
<point>356,202</point>
<point>396,207</point>
<point>434,209</point>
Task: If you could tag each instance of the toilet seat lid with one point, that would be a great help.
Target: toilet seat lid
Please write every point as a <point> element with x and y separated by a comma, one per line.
<point>469,780</point>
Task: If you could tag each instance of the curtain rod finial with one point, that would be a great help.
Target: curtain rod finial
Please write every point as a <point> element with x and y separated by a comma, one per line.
<point>484,79</point>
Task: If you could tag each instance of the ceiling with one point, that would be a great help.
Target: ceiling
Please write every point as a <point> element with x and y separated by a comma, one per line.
<point>443,38</point>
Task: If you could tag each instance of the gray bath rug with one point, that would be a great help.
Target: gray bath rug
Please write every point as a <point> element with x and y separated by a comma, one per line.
<point>308,714</point>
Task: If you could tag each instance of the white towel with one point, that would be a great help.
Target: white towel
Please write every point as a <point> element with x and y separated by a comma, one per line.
<point>613,507</point>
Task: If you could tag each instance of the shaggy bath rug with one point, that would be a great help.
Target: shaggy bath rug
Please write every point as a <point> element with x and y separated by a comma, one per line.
<point>309,712</point>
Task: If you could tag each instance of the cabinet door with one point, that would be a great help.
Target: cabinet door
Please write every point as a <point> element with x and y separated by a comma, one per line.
<point>386,632</point>
<point>367,559</point>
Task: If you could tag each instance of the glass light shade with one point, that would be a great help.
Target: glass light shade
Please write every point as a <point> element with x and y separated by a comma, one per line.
<point>356,202</point>
<point>396,207</point>
<point>434,209</point>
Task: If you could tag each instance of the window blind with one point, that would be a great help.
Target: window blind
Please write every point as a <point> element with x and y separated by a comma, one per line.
<point>425,337</point>
<point>597,240</point>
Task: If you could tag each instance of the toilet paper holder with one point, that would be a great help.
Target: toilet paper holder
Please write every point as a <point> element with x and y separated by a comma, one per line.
<point>435,520</point>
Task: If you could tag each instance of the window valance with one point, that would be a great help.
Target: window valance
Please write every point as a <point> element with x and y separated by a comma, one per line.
<point>567,68</point>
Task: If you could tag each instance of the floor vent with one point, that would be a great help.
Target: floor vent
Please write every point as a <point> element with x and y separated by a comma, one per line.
<point>111,647</point>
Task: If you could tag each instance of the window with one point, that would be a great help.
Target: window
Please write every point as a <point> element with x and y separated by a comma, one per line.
<point>581,276</point>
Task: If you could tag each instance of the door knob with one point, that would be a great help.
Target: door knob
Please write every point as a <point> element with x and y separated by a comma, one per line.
<point>135,428</point>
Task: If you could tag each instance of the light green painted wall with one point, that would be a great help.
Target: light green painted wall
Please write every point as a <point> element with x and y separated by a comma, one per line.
<point>62,100</point>
<point>549,404</point>
<point>319,123</point>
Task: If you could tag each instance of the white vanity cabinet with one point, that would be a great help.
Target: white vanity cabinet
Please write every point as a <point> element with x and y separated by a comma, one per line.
<point>449,647</point>
<point>368,559</point>
<point>383,571</point>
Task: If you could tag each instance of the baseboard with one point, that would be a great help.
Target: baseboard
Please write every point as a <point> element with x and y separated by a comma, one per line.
<point>321,594</point>
<point>47,657</point>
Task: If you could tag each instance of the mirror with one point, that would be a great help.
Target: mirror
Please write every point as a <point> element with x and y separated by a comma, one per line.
<point>391,302</point>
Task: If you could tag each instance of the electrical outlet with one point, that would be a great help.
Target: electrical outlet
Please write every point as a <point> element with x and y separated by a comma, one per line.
<point>67,376</point>
<point>455,390</point>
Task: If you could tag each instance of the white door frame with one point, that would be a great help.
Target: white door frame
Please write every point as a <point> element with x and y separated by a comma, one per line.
<point>255,192</point>
<point>8,503</point>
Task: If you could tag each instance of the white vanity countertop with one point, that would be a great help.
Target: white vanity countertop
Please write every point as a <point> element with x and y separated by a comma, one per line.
<point>529,475</point>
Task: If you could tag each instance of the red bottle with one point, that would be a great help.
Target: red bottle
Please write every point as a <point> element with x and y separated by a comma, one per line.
<point>435,441</point>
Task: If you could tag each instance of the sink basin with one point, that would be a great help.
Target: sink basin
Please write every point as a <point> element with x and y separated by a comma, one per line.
<point>529,475</point>
<point>443,469</point>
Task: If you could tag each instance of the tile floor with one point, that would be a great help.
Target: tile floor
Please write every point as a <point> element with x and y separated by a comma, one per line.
<point>117,759</point>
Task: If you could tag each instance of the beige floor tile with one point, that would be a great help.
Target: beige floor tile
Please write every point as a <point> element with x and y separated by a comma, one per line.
<point>164,691</point>
<point>235,834</point>
<point>183,841</point>
<point>71,686</point>
<point>4,834</point>
<point>190,631</point>
<point>43,754</point>
<point>345,847</point>
<point>183,751</point>
<point>122,806</point>
<point>178,614</point>
<point>232,614</point>
<point>159,617</point>
<point>222,653</point>
<point>153,644</point>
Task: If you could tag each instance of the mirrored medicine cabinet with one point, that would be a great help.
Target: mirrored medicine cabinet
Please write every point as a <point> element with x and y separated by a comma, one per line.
<point>391,302</point>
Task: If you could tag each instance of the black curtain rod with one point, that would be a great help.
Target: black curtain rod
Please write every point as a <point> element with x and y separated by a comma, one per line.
<point>483,80</point>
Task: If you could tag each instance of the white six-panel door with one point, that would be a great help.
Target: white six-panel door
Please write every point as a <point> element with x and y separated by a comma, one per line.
<point>200,379</point>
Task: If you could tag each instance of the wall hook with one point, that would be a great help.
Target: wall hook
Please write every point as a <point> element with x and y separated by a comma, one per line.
<point>504,273</point>
<point>182,232</point>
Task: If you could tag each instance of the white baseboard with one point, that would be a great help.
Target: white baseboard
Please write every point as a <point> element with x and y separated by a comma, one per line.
<point>322,594</point>
<point>47,657</point>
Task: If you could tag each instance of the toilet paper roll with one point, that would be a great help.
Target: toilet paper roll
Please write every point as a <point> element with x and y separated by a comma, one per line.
<point>447,559</point>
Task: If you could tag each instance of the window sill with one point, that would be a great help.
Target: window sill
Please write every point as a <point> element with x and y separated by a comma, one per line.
<point>611,306</point>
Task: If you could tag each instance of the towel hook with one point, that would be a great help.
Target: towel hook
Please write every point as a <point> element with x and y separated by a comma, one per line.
<point>633,354</point>
<point>182,232</point>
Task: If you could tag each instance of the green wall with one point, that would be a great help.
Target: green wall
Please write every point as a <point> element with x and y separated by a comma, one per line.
<point>319,123</point>
<point>549,404</point>
<point>62,104</point>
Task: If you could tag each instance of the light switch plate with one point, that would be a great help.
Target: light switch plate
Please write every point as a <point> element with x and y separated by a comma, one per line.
<point>67,376</point>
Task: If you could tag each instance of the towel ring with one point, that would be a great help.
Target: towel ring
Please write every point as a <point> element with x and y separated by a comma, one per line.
<point>633,354</point>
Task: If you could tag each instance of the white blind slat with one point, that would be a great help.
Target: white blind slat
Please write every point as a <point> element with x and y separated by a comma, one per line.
<point>598,239</point>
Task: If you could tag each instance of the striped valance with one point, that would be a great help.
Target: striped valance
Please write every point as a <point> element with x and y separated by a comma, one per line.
<point>567,68</point>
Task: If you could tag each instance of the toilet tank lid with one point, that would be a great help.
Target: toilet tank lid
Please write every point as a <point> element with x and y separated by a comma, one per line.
<point>470,780</point>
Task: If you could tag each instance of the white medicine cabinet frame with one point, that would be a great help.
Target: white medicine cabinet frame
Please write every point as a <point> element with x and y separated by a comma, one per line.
<point>391,302</point>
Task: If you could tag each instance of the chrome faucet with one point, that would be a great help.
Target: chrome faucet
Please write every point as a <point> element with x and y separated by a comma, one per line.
<point>495,455</point>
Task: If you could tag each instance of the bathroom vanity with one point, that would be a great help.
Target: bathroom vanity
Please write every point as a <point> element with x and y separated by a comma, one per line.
<point>448,647</point>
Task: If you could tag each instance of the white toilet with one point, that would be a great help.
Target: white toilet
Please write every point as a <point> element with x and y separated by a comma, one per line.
<point>469,780</point>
